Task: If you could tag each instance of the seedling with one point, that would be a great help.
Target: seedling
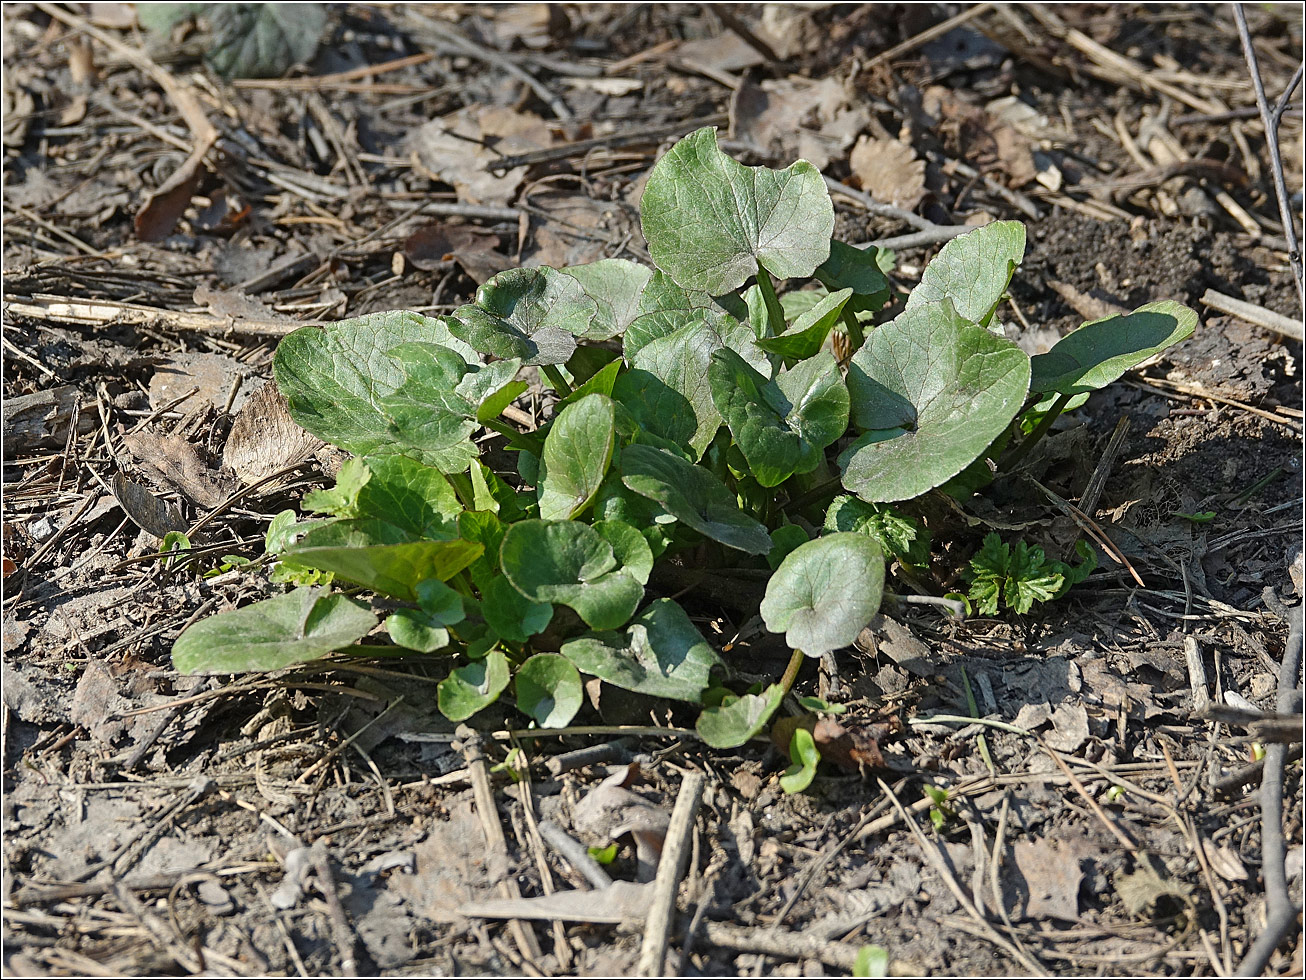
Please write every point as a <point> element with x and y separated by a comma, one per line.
<point>700,420</point>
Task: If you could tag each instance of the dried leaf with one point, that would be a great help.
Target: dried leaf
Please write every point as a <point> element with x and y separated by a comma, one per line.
<point>1052,876</point>
<point>172,461</point>
<point>147,511</point>
<point>1143,889</point>
<point>164,207</point>
<point>213,374</point>
<point>459,149</point>
<point>787,117</point>
<point>265,439</point>
<point>437,245</point>
<point>622,901</point>
<point>856,746</point>
<point>889,171</point>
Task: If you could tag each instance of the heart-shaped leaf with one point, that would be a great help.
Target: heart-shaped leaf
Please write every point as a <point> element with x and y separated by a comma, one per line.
<point>781,426</point>
<point>469,689</point>
<point>661,654</point>
<point>857,269</point>
<point>667,389</point>
<point>733,724</point>
<point>287,629</point>
<point>532,314</point>
<point>693,496</point>
<point>1102,350</point>
<point>380,557</point>
<point>973,270</point>
<point>396,489</point>
<point>335,378</point>
<point>510,614</point>
<point>548,690</point>
<point>825,592</point>
<point>423,629</point>
<point>615,285</point>
<point>931,390</point>
<point>598,571</point>
<point>806,335</point>
<point>576,456</point>
<point>710,221</point>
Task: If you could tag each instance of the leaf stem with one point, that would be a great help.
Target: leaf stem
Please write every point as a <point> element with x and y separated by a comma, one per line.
<point>856,338</point>
<point>812,495</point>
<point>1045,423</point>
<point>556,379</point>
<point>791,671</point>
<point>775,314</point>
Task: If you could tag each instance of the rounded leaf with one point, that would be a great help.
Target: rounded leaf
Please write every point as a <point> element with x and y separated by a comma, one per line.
<point>733,724</point>
<point>661,654</point>
<point>825,592</point>
<point>710,221</point>
<point>615,285</point>
<point>548,690</point>
<point>469,689</point>
<point>577,451</point>
<point>973,270</point>
<point>534,314</point>
<point>931,390</point>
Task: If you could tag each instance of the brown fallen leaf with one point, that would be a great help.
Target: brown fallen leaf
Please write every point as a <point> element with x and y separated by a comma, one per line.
<point>439,244</point>
<point>265,439</point>
<point>213,374</point>
<point>171,461</point>
<point>889,171</point>
<point>147,511</point>
<point>1052,879</point>
<point>856,746</point>
<point>795,117</point>
<point>164,207</point>
<point>459,149</point>
<point>609,811</point>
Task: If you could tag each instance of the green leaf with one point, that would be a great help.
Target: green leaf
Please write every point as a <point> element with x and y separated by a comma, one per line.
<point>781,426</point>
<point>378,556</point>
<point>598,571</point>
<point>615,285</point>
<point>599,383</point>
<point>410,496</point>
<point>532,314</point>
<point>932,390</point>
<point>825,592</point>
<point>804,757</point>
<point>667,389</point>
<point>548,690</point>
<point>806,335</point>
<point>159,18</point>
<point>1021,576</point>
<point>261,40</point>
<point>335,378</point>
<point>798,301</point>
<point>973,270</point>
<point>426,415</point>
<point>510,614</point>
<point>661,654</point>
<point>895,533</point>
<point>710,221</point>
<point>416,630</point>
<point>490,389</point>
<point>1102,350</point>
<point>692,496</point>
<point>287,629</point>
<point>604,855</point>
<point>871,961</point>
<point>469,689</point>
<point>784,539</point>
<point>731,725</point>
<point>857,269</point>
<point>576,456</point>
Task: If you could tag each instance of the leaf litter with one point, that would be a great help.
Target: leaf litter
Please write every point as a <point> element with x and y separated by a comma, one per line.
<point>1117,676</point>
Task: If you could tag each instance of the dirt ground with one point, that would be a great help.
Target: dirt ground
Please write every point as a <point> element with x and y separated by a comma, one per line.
<point>323,820</point>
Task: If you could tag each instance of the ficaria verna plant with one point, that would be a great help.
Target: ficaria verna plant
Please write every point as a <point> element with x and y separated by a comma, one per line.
<point>701,421</point>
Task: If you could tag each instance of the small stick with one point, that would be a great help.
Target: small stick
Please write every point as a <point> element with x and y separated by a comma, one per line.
<point>1252,313</point>
<point>470,742</point>
<point>921,239</point>
<point>618,751</point>
<point>1102,472</point>
<point>1196,674</point>
<point>927,35</point>
<point>671,867</point>
<point>575,854</point>
<point>341,933</point>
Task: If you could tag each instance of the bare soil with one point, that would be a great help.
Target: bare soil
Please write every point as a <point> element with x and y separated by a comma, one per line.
<point>322,821</point>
